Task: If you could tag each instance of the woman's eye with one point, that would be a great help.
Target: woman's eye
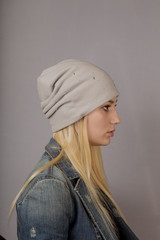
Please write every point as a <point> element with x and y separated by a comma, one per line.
<point>106,108</point>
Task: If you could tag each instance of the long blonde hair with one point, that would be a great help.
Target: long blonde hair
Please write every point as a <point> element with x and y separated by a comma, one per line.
<point>86,159</point>
<point>88,162</point>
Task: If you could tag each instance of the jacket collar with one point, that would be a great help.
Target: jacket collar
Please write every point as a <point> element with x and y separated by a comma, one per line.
<point>53,149</point>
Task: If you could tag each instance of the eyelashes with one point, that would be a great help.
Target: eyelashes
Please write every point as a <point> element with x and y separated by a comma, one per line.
<point>106,108</point>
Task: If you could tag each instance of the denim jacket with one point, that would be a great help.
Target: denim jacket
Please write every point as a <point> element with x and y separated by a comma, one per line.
<point>56,206</point>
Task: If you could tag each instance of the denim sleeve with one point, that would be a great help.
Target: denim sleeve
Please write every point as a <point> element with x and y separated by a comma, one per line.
<point>45,211</point>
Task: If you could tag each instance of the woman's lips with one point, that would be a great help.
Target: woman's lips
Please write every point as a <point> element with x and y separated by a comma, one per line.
<point>111,133</point>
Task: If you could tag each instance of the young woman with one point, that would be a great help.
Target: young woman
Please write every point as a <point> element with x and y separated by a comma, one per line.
<point>66,196</point>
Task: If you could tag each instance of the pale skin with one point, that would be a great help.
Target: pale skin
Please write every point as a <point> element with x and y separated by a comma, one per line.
<point>101,123</point>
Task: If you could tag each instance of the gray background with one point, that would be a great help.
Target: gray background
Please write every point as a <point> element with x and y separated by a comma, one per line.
<point>121,36</point>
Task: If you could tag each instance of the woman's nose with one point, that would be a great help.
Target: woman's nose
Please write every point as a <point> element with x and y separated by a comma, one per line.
<point>115,118</point>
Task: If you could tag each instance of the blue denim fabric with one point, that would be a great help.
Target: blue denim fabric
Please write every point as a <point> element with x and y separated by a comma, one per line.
<point>56,206</point>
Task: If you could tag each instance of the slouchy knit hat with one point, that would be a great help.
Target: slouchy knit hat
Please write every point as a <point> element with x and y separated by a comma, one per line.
<point>71,89</point>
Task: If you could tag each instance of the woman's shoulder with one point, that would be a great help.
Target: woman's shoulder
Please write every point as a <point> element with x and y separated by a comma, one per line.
<point>46,201</point>
<point>51,176</point>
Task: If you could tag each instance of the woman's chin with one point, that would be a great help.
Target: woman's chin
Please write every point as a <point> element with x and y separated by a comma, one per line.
<point>103,142</point>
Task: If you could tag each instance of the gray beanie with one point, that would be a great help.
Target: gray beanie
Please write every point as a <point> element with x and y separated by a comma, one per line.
<point>71,89</point>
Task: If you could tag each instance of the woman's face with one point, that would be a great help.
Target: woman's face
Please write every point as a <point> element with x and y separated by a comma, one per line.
<point>101,123</point>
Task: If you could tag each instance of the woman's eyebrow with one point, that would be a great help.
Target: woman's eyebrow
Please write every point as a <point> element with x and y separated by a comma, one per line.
<point>113,101</point>
<point>110,101</point>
